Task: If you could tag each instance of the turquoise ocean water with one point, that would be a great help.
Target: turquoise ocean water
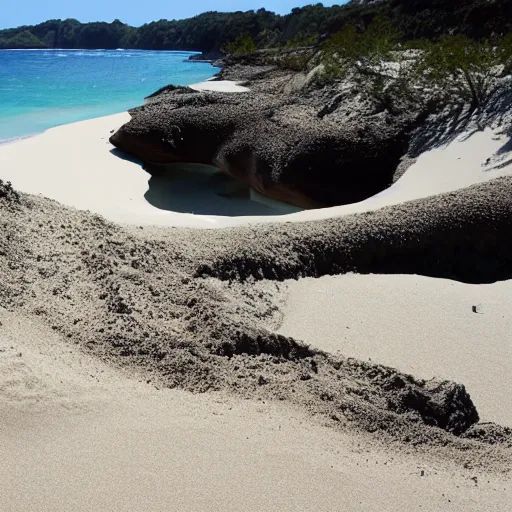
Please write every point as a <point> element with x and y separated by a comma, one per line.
<point>40,89</point>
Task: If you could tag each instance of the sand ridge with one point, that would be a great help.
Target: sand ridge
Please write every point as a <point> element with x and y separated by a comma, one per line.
<point>134,298</point>
<point>422,325</point>
<point>107,441</point>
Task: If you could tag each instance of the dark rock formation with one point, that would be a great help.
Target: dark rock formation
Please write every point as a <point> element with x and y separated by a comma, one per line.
<point>490,433</point>
<point>306,147</point>
<point>443,404</point>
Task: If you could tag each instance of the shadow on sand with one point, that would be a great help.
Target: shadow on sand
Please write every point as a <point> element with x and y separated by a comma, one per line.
<point>204,190</point>
<point>125,156</point>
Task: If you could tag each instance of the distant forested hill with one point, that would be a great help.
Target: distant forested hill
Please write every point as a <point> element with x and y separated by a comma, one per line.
<point>209,31</point>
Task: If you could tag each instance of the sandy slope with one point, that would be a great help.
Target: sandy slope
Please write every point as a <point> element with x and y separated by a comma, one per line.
<point>78,435</point>
<point>421,325</point>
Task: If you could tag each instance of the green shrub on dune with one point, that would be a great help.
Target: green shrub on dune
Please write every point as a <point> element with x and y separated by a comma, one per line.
<point>386,67</point>
<point>467,69</point>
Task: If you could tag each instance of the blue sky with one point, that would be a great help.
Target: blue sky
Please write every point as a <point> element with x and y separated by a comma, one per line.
<point>134,12</point>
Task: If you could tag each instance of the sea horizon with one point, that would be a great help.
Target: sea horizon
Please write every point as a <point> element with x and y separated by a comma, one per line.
<point>45,88</point>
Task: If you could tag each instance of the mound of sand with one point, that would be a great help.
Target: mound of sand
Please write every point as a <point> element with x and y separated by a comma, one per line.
<point>83,296</point>
<point>462,235</point>
<point>421,325</point>
<point>139,297</point>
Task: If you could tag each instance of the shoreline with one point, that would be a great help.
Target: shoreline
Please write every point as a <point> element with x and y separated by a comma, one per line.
<point>15,140</point>
<point>38,119</point>
<point>94,50</point>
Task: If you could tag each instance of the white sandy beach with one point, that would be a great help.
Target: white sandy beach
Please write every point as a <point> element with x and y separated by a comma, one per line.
<point>219,86</point>
<point>77,435</point>
<point>85,173</point>
<point>67,418</point>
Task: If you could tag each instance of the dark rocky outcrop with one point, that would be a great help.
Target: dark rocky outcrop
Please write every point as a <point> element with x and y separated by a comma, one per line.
<point>307,147</point>
<point>490,433</point>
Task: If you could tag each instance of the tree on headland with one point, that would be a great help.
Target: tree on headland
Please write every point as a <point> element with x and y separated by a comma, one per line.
<point>208,32</point>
